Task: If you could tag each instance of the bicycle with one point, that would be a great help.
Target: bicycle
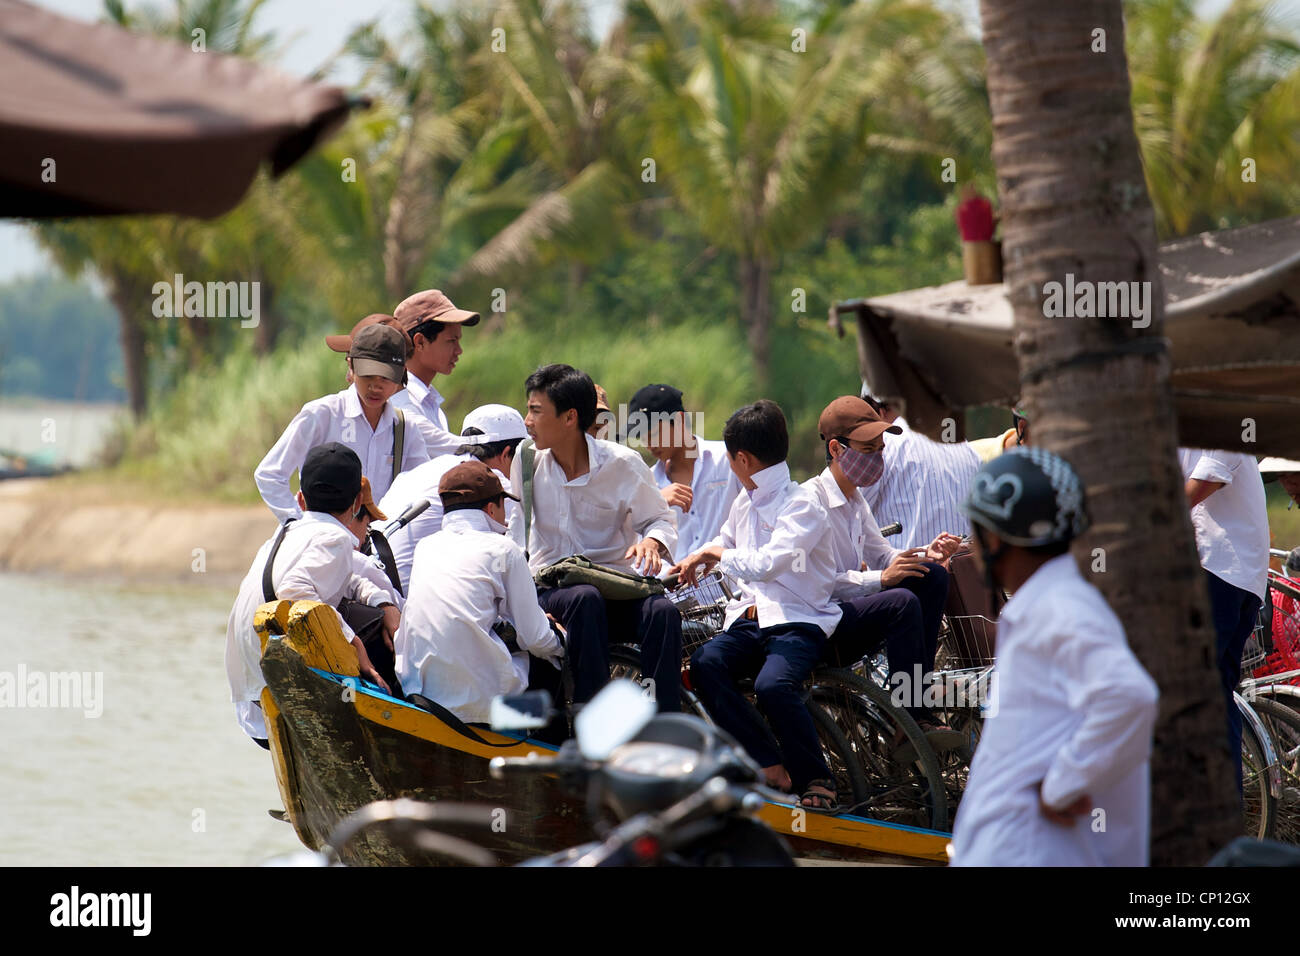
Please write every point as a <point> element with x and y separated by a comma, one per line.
<point>864,736</point>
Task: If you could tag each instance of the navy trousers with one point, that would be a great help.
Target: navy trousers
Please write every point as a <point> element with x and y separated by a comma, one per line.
<point>1234,612</point>
<point>780,659</point>
<point>904,618</point>
<point>592,622</point>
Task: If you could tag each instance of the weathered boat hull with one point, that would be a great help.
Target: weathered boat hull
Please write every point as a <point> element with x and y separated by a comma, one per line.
<point>338,745</point>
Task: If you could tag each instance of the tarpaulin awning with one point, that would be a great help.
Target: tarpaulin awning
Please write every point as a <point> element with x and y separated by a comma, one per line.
<point>97,120</point>
<point>1232,316</point>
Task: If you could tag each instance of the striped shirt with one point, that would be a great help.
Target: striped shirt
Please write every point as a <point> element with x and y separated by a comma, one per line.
<point>923,486</point>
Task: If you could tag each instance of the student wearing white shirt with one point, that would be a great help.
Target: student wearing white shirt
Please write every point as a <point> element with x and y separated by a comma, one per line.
<point>597,498</point>
<point>922,484</point>
<point>693,473</point>
<point>433,325</point>
<point>491,434</point>
<point>1071,735</point>
<point>360,417</point>
<point>777,541</point>
<point>1226,494</point>
<point>888,595</point>
<point>313,560</point>
<point>467,576</point>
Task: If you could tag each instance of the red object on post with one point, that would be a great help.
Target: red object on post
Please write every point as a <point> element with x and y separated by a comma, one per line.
<point>975,219</point>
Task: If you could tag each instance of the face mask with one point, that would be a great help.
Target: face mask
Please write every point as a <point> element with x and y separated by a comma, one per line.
<point>861,468</point>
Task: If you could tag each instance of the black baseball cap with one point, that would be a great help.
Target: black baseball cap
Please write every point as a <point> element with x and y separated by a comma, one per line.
<point>656,398</point>
<point>331,477</point>
<point>379,349</point>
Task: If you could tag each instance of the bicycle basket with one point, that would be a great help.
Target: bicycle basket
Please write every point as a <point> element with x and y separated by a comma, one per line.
<point>1284,637</point>
<point>703,607</point>
<point>1253,654</point>
<point>968,641</point>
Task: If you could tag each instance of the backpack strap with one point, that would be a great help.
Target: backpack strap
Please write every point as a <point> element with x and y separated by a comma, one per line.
<point>399,443</point>
<point>268,589</point>
<point>527,461</point>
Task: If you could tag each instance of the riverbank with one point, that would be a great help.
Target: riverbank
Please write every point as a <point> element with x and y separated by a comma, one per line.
<point>79,526</point>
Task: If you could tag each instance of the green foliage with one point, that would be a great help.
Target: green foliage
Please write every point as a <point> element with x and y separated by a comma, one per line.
<point>58,339</point>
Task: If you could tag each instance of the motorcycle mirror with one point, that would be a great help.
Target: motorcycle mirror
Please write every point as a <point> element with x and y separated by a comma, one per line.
<point>526,711</point>
<point>613,717</point>
<point>414,511</point>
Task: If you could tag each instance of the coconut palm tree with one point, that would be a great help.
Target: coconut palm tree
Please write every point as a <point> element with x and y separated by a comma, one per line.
<point>1074,200</point>
<point>1208,96</point>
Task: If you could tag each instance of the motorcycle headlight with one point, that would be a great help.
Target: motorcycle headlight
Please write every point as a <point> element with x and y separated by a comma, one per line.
<point>646,759</point>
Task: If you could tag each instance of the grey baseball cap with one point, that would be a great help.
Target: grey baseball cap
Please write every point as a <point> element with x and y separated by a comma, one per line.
<point>379,350</point>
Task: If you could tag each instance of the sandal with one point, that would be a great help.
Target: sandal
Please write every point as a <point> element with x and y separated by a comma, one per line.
<point>824,795</point>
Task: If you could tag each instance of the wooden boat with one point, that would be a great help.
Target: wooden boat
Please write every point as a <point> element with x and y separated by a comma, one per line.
<point>338,744</point>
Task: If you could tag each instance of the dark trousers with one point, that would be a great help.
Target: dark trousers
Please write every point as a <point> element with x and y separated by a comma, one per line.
<point>1234,612</point>
<point>543,675</point>
<point>914,608</point>
<point>592,622</point>
<point>780,659</point>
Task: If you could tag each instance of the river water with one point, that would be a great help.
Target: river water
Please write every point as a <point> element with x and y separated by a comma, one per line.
<point>163,775</point>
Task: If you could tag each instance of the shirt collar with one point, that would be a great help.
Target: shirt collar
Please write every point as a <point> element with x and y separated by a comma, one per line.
<point>422,394</point>
<point>769,481</point>
<point>1043,581</point>
<point>833,492</point>
<point>322,517</point>
<point>467,519</point>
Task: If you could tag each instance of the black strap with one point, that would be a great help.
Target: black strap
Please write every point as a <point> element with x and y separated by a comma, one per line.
<point>268,589</point>
<point>384,551</point>
<point>399,444</point>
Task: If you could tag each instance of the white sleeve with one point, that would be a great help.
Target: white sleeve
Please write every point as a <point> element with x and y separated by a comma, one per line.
<point>370,584</point>
<point>651,516</point>
<point>1118,700</point>
<point>800,527</point>
<point>1214,466</point>
<point>322,571</point>
<point>309,428</point>
<point>850,584</point>
<point>531,625</point>
<point>415,451</point>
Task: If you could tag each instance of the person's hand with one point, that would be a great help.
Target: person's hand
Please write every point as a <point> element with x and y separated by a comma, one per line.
<point>908,564</point>
<point>943,547</point>
<point>677,495</point>
<point>392,620</point>
<point>1067,816</point>
<point>647,556</point>
<point>368,669</point>
<point>689,569</point>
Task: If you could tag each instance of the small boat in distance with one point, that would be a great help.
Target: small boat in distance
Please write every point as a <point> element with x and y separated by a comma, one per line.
<point>338,743</point>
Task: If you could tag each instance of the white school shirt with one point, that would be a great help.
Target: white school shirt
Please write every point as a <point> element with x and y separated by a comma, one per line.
<point>410,486</point>
<point>855,538</point>
<point>338,417</point>
<point>600,514</point>
<point>776,540</point>
<point>1074,712</point>
<point>423,407</point>
<point>314,563</point>
<point>923,486</point>
<point>467,577</point>
<point>714,487</point>
<point>1232,524</point>
<point>371,568</point>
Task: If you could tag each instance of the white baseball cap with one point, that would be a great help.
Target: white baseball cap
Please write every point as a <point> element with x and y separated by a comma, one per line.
<point>1270,468</point>
<point>496,422</point>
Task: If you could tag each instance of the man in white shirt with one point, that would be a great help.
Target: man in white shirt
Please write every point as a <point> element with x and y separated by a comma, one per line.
<point>693,474</point>
<point>888,595</point>
<point>1226,494</point>
<point>360,417</point>
<point>467,577</point>
<point>491,434</point>
<point>922,484</point>
<point>433,325</point>
<point>598,499</point>
<point>313,560</point>
<point>776,540</point>
<point>1062,773</point>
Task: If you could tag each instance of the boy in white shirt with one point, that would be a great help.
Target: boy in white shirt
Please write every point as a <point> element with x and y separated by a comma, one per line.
<point>777,541</point>
<point>1069,746</point>
<point>360,417</point>
<point>1226,494</point>
<point>467,576</point>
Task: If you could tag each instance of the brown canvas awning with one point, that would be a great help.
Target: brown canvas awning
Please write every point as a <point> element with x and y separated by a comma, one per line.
<point>140,124</point>
<point>1232,316</point>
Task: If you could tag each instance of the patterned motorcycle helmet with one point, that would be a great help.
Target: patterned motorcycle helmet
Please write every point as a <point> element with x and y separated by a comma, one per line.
<point>1028,497</point>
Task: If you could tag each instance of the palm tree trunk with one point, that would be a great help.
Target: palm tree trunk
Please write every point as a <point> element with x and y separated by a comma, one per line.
<point>130,310</point>
<point>756,305</point>
<point>1074,201</point>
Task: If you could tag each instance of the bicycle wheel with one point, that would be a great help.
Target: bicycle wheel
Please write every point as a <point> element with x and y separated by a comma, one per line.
<point>1257,800</point>
<point>909,792</point>
<point>1283,724</point>
<point>625,664</point>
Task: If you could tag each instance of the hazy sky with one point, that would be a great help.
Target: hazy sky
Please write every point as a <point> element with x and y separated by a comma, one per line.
<point>309,32</point>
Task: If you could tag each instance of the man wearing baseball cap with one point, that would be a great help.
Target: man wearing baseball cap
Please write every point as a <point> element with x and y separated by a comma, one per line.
<point>433,326</point>
<point>887,595</point>
<point>343,343</point>
<point>466,577</point>
<point>360,417</point>
<point>693,474</point>
<point>309,558</point>
<point>491,434</point>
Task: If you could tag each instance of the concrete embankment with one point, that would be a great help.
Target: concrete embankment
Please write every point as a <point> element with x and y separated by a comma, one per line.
<point>51,526</point>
